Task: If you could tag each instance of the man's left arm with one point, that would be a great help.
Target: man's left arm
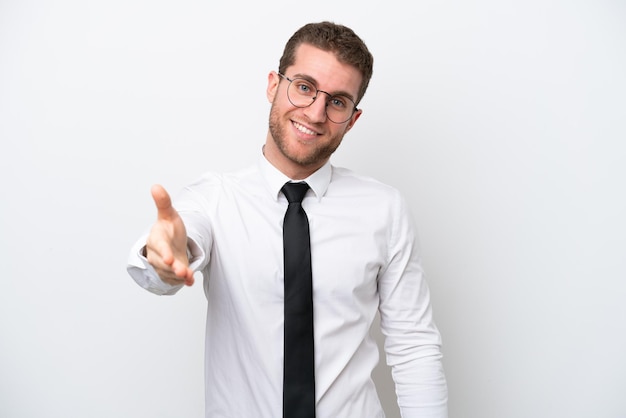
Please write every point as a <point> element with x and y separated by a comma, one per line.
<point>412,340</point>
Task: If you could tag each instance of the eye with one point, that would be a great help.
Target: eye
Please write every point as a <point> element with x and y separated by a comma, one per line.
<point>304,87</point>
<point>339,102</point>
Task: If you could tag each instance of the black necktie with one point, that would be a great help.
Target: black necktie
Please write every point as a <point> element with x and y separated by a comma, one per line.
<point>299,367</point>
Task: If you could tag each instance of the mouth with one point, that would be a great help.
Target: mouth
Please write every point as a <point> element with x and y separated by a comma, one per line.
<point>304,129</point>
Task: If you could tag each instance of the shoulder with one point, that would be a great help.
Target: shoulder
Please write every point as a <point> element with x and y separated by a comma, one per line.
<point>213,180</point>
<point>382,205</point>
<point>212,186</point>
<point>346,181</point>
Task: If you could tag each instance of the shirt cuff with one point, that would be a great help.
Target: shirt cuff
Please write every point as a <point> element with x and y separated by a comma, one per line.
<point>144,274</point>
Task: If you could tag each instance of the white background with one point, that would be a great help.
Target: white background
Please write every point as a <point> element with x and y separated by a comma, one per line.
<point>503,123</point>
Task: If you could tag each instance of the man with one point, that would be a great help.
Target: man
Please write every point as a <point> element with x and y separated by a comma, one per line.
<point>363,256</point>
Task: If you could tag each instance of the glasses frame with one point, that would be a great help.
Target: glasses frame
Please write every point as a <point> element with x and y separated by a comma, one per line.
<point>317,91</point>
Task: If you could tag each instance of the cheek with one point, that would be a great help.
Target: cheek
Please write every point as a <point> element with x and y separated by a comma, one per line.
<point>279,103</point>
<point>341,131</point>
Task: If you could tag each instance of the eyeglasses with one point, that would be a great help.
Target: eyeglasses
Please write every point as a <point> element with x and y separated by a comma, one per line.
<point>302,93</point>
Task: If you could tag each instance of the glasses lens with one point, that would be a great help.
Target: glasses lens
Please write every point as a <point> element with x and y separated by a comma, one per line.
<point>302,93</point>
<point>339,108</point>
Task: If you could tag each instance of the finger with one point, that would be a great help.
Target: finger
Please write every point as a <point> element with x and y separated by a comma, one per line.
<point>163,202</point>
<point>174,272</point>
<point>169,277</point>
<point>183,271</point>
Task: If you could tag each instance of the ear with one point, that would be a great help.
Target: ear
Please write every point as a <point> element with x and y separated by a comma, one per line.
<point>353,119</point>
<point>272,85</point>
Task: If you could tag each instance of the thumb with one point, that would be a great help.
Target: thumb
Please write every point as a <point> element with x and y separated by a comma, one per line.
<point>163,203</point>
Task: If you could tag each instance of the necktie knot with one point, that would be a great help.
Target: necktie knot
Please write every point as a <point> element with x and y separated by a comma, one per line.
<point>294,192</point>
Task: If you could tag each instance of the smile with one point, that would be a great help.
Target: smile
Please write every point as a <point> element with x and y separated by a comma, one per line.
<point>304,129</point>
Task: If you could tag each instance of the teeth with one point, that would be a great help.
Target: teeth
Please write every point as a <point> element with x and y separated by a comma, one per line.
<point>304,130</point>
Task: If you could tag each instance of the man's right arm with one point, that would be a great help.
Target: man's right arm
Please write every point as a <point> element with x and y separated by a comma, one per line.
<point>159,262</point>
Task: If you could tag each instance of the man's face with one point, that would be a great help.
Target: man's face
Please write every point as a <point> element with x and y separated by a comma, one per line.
<point>301,140</point>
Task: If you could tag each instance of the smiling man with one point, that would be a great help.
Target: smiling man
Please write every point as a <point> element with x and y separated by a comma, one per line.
<point>290,310</point>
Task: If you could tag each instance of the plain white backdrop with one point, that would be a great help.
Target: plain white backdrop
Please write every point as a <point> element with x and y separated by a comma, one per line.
<point>503,123</point>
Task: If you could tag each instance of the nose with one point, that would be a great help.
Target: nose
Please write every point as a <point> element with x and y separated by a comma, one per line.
<point>316,112</point>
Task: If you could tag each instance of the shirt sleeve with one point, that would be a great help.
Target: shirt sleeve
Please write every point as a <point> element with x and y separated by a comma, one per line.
<point>412,341</point>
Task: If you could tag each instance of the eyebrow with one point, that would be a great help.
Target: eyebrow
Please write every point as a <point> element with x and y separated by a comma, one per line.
<point>313,81</point>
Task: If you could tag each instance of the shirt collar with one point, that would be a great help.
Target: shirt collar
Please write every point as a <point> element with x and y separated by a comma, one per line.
<point>274,179</point>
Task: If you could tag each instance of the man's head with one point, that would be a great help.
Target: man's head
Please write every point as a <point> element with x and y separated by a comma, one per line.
<point>338,39</point>
<point>323,74</point>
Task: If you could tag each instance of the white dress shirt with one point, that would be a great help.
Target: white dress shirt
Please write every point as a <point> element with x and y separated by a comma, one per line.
<point>364,258</point>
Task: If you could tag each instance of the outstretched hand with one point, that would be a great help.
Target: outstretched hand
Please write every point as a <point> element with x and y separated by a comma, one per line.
<point>166,247</point>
